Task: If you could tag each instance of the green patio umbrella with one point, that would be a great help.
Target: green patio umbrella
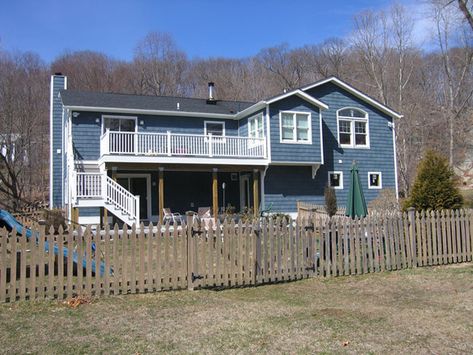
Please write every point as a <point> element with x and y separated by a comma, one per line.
<point>356,205</point>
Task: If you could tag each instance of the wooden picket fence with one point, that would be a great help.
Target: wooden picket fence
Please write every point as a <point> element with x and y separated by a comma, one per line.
<point>229,254</point>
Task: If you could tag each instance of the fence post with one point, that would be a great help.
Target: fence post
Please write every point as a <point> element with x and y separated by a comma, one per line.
<point>190,244</point>
<point>411,216</point>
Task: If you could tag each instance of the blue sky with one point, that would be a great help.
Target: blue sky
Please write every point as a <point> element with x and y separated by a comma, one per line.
<point>201,28</point>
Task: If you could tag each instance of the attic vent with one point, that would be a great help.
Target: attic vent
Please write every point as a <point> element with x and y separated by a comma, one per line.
<point>211,100</point>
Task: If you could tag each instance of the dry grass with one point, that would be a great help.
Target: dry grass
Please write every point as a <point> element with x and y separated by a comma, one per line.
<point>426,310</point>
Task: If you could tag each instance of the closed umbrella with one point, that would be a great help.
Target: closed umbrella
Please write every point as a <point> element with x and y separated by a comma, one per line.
<point>356,205</point>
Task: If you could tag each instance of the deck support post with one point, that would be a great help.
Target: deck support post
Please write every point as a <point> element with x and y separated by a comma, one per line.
<point>75,215</point>
<point>215,193</point>
<point>256,192</point>
<point>161,194</point>
<point>104,220</point>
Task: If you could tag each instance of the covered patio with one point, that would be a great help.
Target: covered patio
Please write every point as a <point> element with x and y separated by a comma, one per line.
<point>186,188</point>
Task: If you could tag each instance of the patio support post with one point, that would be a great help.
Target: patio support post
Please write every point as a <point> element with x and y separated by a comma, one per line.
<point>161,194</point>
<point>75,215</point>
<point>215,193</point>
<point>104,219</point>
<point>256,192</point>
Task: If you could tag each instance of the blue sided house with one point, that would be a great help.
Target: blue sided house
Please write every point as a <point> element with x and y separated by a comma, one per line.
<point>130,157</point>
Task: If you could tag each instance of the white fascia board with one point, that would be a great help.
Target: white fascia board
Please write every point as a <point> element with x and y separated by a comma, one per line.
<point>249,110</point>
<point>151,112</point>
<point>302,95</point>
<point>180,160</point>
<point>357,93</point>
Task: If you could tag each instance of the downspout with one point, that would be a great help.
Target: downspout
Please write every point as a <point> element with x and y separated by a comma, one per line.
<point>395,160</point>
<point>268,135</point>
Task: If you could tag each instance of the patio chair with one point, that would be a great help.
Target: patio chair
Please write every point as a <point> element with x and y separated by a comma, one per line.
<point>204,215</point>
<point>175,217</point>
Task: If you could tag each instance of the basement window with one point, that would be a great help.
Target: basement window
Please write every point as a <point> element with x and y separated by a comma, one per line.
<point>335,179</point>
<point>375,180</point>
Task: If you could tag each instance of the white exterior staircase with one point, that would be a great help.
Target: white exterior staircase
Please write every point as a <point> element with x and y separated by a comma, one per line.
<point>99,190</point>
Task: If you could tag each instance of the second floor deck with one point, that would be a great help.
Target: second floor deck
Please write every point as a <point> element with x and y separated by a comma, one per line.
<point>140,146</point>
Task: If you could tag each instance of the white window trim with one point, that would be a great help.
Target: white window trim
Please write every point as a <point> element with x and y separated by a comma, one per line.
<point>104,117</point>
<point>341,179</point>
<point>352,128</point>
<point>295,141</point>
<point>215,122</point>
<point>380,180</point>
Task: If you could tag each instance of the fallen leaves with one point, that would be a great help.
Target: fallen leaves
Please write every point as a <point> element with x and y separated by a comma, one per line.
<point>76,301</point>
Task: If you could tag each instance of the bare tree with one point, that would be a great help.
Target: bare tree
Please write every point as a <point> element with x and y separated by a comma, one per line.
<point>286,66</point>
<point>371,42</point>
<point>330,58</point>
<point>456,83</point>
<point>23,128</point>
<point>91,71</point>
<point>160,65</point>
<point>467,11</point>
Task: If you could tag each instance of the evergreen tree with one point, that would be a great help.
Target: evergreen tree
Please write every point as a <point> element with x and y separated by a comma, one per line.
<point>434,187</point>
<point>330,201</point>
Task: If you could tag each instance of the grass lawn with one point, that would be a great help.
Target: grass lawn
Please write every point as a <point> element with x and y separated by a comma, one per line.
<point>427,310</point>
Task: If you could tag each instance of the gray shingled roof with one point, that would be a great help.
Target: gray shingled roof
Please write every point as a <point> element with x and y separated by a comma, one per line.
<point>142,102</point>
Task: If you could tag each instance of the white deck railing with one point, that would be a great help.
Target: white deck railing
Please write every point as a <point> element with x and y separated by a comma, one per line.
<point>100,186</point>
<point>171,144</point>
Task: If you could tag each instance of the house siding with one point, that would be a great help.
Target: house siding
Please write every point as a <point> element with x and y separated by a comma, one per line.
<point>285,185</point>
<point>58,83</point>
<point>86,135</point>
<point>379,157</point>
<point>287,152</point>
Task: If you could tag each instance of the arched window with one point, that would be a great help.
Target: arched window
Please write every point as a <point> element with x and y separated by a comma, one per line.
<point>353,129</point>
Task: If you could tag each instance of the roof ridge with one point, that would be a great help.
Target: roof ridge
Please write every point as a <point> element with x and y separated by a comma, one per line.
<point>152,96</point>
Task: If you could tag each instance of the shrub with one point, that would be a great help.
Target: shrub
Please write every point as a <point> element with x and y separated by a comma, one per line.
<point>55,218</point>
<point>386,201</point>
<point>434,186</point>
<point>330,201</point>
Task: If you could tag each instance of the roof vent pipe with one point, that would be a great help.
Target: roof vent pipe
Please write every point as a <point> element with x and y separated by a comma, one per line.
<point>211,91</point>
<point>211,99</point>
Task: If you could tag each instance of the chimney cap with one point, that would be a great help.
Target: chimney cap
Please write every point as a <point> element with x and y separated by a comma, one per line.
<point>211,83</point>
<point>58,73</point>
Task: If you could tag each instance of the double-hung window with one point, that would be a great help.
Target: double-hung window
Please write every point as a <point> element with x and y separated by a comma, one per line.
<point>121,130</point>
<point>255,126</point>
<point>119,124</point>
<point>216,129</point>
<point>255,129</point>
<point>353,129</point>
<point>295,127</point>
